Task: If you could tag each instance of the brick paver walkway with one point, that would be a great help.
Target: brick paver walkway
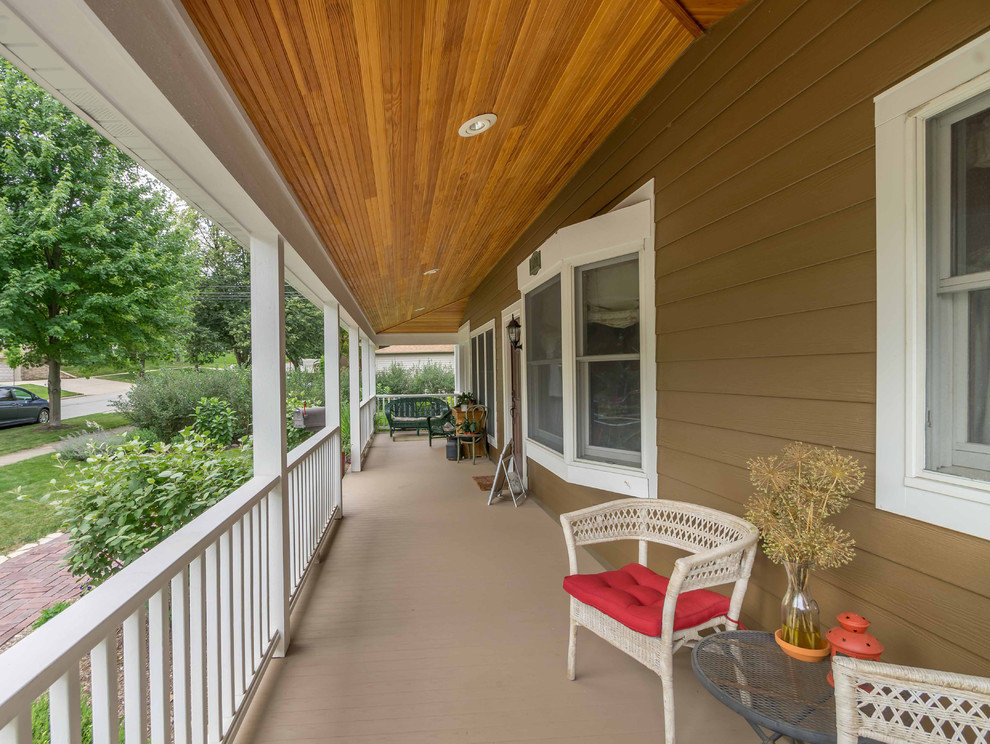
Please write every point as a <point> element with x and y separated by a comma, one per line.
<point>32,581</point>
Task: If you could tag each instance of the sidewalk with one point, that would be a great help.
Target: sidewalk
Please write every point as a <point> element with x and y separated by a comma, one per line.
<point>30,581</point>
<point>45,449</point>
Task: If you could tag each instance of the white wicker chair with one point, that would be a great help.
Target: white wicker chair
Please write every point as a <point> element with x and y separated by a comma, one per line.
<point>905,705</point>
<point>722,549</point>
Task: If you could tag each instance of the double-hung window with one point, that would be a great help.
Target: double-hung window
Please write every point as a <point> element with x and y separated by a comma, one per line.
<point>608,404</point>
<point>933,293</point>
<point>588,344</point>
<point>544,366</point>
<point>958,426</point>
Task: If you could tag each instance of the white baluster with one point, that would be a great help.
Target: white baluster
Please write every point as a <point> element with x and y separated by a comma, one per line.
<point>237,599</point>
<point>64,713</point>
<point>103,684</point>
<point>197,651</point>
<point>135,662</point>
<point>180,658</point>
<point>18,731</point>
<point>248,643</point>
<point>214,710</point>
<point>158,674</point>
<point>226,633</point>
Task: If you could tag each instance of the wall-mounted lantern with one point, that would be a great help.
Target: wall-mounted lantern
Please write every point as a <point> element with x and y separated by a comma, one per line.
<point>515,333</point>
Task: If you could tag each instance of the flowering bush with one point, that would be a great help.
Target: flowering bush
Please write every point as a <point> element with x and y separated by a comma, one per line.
<point>795,493</point>
<point>121,503</point>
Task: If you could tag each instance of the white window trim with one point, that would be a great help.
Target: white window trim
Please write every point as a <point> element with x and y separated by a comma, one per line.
<point>904,486</point>
<point>493,406</point>
<point>626,230</point>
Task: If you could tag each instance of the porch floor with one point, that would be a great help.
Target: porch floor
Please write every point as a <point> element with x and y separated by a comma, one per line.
<point>436,618</point>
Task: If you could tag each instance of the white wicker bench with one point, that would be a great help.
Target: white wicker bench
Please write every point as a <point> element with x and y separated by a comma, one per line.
<point>722,548</point>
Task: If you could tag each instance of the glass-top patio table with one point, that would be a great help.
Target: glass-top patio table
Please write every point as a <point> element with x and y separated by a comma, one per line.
<point>777,695</point>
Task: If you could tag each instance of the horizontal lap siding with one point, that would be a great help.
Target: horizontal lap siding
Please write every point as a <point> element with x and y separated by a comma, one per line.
<point>760,141</point>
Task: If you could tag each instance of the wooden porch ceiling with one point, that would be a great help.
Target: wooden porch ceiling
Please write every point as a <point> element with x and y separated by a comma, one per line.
<point>359,102</point>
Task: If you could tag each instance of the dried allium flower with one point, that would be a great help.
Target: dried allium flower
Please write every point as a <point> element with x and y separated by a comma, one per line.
<point>769,474</point>
<point>795,493</point>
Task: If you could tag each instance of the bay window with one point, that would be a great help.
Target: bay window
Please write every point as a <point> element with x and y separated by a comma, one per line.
<point>588,343</point>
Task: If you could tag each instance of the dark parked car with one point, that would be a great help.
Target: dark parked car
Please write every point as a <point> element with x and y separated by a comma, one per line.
<point>18,406</point>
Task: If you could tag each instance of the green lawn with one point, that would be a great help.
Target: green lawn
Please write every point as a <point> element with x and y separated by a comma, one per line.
<point>42,392</point>
<point>32,435</point>
<point>130,375</point>
<point>24,521</point>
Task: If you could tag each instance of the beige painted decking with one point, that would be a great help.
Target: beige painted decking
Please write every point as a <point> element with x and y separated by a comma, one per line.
<point>436,618</point>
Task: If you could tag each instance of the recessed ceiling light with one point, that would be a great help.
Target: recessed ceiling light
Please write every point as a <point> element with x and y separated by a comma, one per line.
<point>418,309</point>
<point>477,125</point>
<point>431,271</point>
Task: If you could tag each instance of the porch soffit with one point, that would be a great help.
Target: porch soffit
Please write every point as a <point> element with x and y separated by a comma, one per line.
<point>359,103</point>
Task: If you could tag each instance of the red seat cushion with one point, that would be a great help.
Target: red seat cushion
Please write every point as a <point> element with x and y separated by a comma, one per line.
<point>634,596</point>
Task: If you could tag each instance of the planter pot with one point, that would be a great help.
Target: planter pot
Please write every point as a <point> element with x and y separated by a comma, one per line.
<point>801,654</point>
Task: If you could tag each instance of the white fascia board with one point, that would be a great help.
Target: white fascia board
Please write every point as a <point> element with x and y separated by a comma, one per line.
<point>416,339</point>
<point>139,73</point>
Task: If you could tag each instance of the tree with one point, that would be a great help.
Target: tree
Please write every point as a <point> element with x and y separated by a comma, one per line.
<point>221,316</point>
<point>95,257</point>
<point>303,329</point>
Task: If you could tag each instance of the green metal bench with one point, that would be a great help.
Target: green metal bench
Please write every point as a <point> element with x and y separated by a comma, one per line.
<point>408,414</point>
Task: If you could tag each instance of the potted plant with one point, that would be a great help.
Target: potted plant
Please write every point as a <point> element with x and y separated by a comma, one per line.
<point>796,492</point>
<point>464,400</point>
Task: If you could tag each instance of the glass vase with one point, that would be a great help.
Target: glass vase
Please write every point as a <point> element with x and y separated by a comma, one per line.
<point>799,624</point>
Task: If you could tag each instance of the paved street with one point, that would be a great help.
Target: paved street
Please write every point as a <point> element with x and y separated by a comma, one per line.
<point>87,405</point>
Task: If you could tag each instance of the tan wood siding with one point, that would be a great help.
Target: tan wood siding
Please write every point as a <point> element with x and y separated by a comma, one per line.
<point>760,142</point>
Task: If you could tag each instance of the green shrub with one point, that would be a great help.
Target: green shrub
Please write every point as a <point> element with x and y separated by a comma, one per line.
<point>216,420</point>
<point>306,387</point>
<point>345,427</point>
<point>165,402</point>
<point>119,504</point>
<point>433,378</point>
<point>428,379</point>
<point>394,380</point>
<point>145,435</point>
<point>49,612</point>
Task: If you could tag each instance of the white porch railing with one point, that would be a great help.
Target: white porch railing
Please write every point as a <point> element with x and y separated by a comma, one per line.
<point>383,400</point>
<point>369,409</point>
<point>314,500</point>
<point>194,615</point>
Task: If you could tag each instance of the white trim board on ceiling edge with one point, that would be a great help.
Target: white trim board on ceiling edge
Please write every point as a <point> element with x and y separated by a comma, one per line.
<point>78,59</point>
<point>416,339</point>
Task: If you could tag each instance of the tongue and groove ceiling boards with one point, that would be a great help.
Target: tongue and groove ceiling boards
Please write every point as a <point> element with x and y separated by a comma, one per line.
<point>359,102</point>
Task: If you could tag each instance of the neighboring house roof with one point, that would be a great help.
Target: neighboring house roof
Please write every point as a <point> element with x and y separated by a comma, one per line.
<point>416,349</point>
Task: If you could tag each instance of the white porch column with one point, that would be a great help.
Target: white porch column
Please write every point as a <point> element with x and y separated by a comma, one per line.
<point>331,356</point>
<point>331,388</point>
<point>353,356</point>
<point>369,369</point>
<point>268,413</point>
